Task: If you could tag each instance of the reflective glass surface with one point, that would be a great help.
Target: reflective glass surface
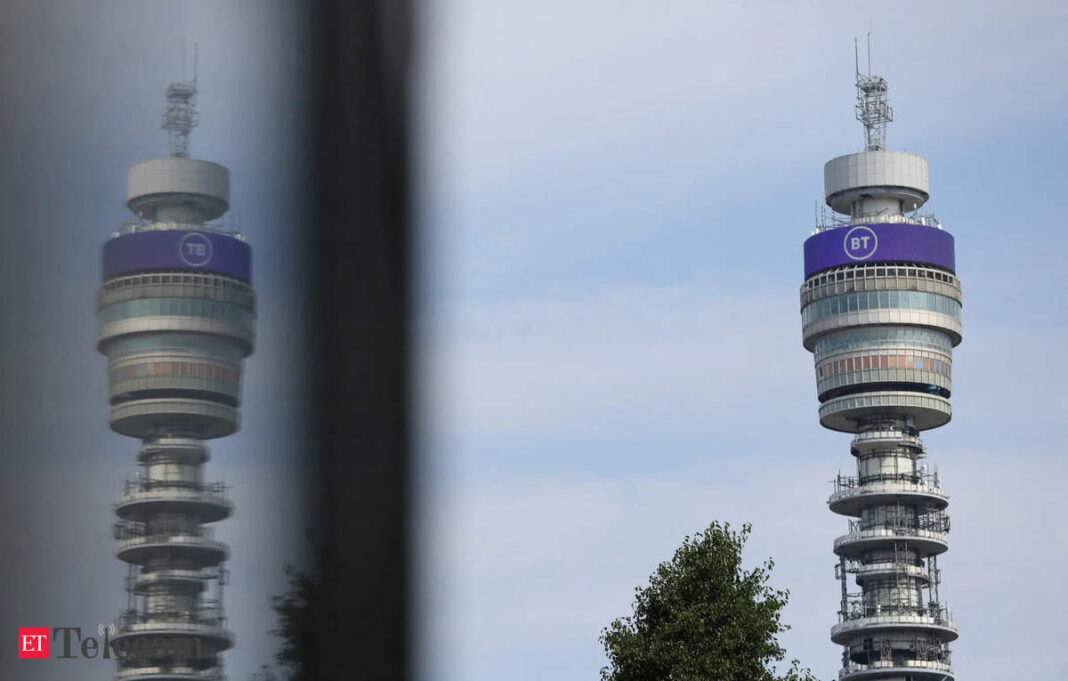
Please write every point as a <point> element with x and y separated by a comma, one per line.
<point>880,300</point>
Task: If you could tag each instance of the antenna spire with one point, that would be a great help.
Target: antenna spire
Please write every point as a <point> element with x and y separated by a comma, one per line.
<point>872,108</point>
<point>180,116</point>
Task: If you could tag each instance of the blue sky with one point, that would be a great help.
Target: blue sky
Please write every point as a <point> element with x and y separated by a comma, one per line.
<point>614,197</point>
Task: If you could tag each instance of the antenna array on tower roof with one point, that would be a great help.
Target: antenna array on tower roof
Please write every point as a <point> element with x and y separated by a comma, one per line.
<point>180,116</point>
<point>872,108</point>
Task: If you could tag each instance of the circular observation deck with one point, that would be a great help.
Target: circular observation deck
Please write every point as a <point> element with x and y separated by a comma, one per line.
<point>850,311</point>
<point>176,315</point>
<point>142,417</point>
<point>937,627</point>
<point>846,413</point>
<point>917,670</point>
<point>207,502</point>
<point>201,549</point>
<point>169,673</point>
<point>899,180</point>
<point>181,637</point>
<point>851,500</point>
<point>194,189</point>
<point>924,542</point>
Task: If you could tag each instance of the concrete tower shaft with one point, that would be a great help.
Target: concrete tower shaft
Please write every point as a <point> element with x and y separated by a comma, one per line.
<point>881,313</point>
<point>176,312</point>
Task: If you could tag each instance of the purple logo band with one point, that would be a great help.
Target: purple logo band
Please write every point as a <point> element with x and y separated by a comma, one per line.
<point>177,250</point>
<point>854,244</point>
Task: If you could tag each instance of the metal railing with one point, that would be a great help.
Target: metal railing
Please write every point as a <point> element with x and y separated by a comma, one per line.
<point>134,673</point>
<point>224,225</point>
<point>132,529</point>
<point>922,650</point>
<point>856,608</point>
<point>204,573</point>
<point>847,482</point>
<point>828,221</point>
<point>136,485</point>
<point>899,563</point>
<point>208,613</point>
<point>937,521</point>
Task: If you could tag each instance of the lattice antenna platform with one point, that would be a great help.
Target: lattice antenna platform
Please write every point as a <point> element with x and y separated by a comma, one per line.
<point>181,115</point>
<point>872,108</point>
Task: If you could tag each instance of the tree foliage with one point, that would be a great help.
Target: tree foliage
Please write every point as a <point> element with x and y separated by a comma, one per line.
<point>297,610</point>
<point>703,618</point>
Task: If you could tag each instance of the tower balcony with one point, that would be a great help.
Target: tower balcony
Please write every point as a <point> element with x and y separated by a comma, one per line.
<point>194,634</point>
<point>207,501</point>
<point>847,412</point>
<point>137,544</point>
<point>923,541</point>
<point>145,416</point>
<point>203,638</point>
<point>865,620</point>
<point>919,670</point>
<point>850,496</point>
<point>169,673</point>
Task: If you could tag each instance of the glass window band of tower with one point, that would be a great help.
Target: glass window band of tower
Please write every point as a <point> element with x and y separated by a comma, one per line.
<point>878,277</point>
<point>176,343</point>
<point>917,361</point>
<point>876,372</point>
<point>187,367</point>
<point>177,284</point>
<point>880,300</point>
<point>178,307</point>
<point>882,337</point>
<point>219,382</point>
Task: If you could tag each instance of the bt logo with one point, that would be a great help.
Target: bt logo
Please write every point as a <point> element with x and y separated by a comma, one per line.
<point>860,242</point>
<point>195,249</point>
<point>33,643</point>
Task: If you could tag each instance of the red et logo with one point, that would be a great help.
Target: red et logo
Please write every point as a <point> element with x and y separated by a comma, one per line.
<point>33,642</point>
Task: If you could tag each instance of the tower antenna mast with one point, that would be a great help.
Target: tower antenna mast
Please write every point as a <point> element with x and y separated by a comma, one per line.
<point>180,116</point>
<point>873,107</point>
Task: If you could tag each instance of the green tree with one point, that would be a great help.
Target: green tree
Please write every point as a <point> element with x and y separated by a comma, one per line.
<point>297,610</point>
<point>703,618</point>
